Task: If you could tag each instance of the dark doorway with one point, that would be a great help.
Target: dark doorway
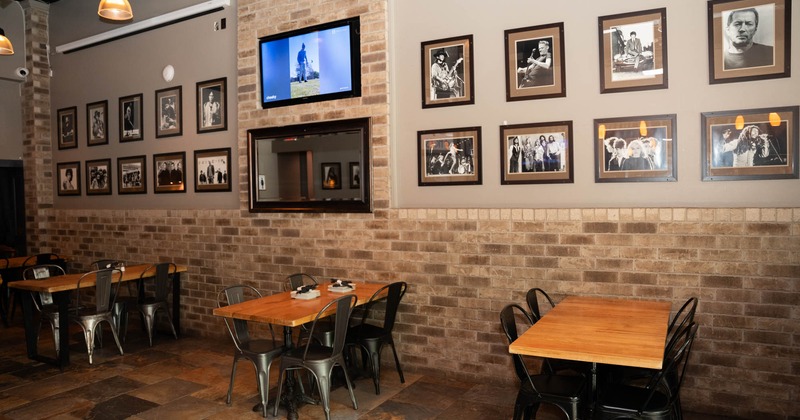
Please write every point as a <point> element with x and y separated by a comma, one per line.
<point>12,209</point>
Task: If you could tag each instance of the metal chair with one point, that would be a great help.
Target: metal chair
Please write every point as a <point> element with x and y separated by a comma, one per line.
<point>89,317</point>
<point>124,302</point>
<point>43,302</point>
<point>149,306</point>
<point>324,332</point>
<point>553,365</point>
<point>33,260</point>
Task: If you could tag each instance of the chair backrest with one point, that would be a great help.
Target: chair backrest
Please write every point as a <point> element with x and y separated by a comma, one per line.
<point>107,283</point>
<point>683,318</point>
<point>395,293</point>
<point>508,320</point>
<point>674,365</point>
<point>344,307</point>
<point>232,295</point>
<point>293,281</point>
<point>43,271</point>
<point>44,258</point>
<point>164,272</point>
<point>532,297</point>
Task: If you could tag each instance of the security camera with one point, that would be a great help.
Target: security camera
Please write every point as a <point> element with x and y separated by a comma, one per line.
<point>21,72</point>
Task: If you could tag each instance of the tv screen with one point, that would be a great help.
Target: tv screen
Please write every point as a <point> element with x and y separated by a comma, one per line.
<point>313,64</point>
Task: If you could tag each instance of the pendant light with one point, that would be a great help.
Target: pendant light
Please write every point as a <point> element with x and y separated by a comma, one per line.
<point>5,44</point>
<point>115,10</point>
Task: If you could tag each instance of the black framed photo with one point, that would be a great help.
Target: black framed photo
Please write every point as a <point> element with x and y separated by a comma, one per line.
<point>331,175</point>
<point>132,175</point>
<point>130,118</point>
<point>169,112</point>
<point>535,62</point>
<point>98,177</point>
<point>536,153</point>
<point>634,149</point>
<point>750,144</point>
<point>97,123</point>
<point>355,175</point>
<point>67,128</point>
<point>212,170</point>
<point>447,72</point>
<point>69,178</point>
<point>633,51</point>
<point>169,172</point>
<point>748,40</point>
<point>449,156</point>
<point>212,108</point>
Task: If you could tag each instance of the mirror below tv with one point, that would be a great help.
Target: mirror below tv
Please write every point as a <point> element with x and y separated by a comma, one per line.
<point>316,167</point>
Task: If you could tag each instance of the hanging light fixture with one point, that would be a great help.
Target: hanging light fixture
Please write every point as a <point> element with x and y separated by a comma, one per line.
<point>774,119</point>
<point>115,10</point>
<point>643,128</point>
<point>5,44</point>
<point>739,123</point>
<point>601,131</point>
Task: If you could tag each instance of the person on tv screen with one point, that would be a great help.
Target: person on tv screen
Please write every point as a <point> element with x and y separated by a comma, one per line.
<point>302,61</point>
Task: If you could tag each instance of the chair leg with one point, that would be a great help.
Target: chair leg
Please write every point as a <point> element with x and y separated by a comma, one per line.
<point>233,375</point>
<point>375,358</point>
<point>262,373</point>
<point>350,387</point>
<point>397,362</point>
<point>281,377</point>
<point>169,321</point>
<point>88,335</point>
<point>149,318</point>
<point>115,334</point>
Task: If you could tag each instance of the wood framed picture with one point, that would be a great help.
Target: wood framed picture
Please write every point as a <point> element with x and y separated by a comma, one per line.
<point>634,149</point>
<point>535,62</point>
<point>132,175</point>
<point>98,177</point>
<point>748,40</point>
<point>750,144</point>
<point>449,156</point>
<point>537,153</point>
<point>212,108</point>
<point>168,172</point>
<point>447,72</point>
<point>97,123</point>
<point>633,51</point>
<point>169,112</point>
<point>69,178</point>
<point>67,128</point>
<point>355,175</point>
<point>212,170</point>
<point>331,175</point>
<point>130,118</point>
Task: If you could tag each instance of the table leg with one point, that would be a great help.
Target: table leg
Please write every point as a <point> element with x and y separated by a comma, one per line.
<point>62,300</point>
<point>30,332</point>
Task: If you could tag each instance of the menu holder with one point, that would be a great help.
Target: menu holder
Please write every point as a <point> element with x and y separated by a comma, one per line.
<point>311,294</point>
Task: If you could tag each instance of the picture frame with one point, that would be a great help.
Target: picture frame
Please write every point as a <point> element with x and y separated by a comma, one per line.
<point>212,169</point>
<point>67,127</point>
<point>450,156</point>
<point>636,149</point>
<point>751,144</point>
<point>748,40</point>
<point>169,172</point>
<point>633,51</point>
<point>97,123</point>
<point>331,175</point>
<point>69,178</point>
<point>98,177</point>
<point>132,175</point>
<point>212,111</point>
<point>130,118</point>
<point>355,175</point>
<point>535,65</point>
<point>451,81</point>
<point>536,153</point>
<point>169,112</point>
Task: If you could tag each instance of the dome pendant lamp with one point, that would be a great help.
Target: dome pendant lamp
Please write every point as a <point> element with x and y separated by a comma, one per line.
<point>5,44</point>
<point>115,10</point>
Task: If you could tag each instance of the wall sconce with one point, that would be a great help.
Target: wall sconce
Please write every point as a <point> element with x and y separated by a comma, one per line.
<point>774,119</point>
<point>5,44</point>
<point>739,124</point>
<point>643,128</point>
<point>115,10</point>
<point>601,131</point>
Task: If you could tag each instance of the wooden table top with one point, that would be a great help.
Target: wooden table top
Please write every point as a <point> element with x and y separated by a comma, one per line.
<point>281,309</point>
<point>16,262</point>
<point>601,330</point>
<point>70,281</point>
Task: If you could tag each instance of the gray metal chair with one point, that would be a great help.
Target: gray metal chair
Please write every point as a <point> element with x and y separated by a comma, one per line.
<point>43,302</point>
<point>149,306</point>
<point>125,302</point>
<point>88,316</point>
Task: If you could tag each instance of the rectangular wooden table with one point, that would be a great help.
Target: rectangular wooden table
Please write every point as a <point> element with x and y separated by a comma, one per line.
<point>60,287</point>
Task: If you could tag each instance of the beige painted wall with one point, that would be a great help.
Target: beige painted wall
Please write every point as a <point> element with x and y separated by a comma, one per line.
<point>11,20</point>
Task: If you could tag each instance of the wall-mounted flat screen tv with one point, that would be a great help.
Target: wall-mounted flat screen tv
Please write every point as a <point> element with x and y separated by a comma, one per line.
<point>317,63</point>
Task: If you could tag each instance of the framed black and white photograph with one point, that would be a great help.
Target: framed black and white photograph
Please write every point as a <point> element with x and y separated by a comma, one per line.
<point>212,170</point>
<point>355,175</point>
<point>447,71</point>
<point>449,156</point>
<point>748,40</point>
<point>132,175</point>
<point>535,62</point>
<point>169,112</point>
<point>750,144</point>
<point>331,175</point>
<point>67,128</point>
<point>636,149</point>
<point>69,178</point>
<point>130,118</point>
<point>537,153</point>
<point>633,51</point>
<point>98,177</point>
<point>212,109</point>
<point>169,172</point>
<point>97,123</point>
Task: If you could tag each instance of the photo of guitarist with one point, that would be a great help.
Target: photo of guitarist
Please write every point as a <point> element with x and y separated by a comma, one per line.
<point>445,82</point>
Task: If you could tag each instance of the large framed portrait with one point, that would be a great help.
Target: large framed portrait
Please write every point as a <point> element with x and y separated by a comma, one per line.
<point>447,72</point>
<point>132,175</point>
<point>212,170</point>
<point>97,123</point>
<point>537,153</point>
<point>633,149</point>
<point>130,118</point>
<point>535,62</point>
<point>750,144</point>
<point>748,40</point>
<point>633,51</point>
<point>169,112</point>
<point>212,108</point>
<point>449,156</point>
<point>168,172</point>
<point>98,177</point>
<point>67,128</point>
<point>69,178</point>
<point>331,175</point>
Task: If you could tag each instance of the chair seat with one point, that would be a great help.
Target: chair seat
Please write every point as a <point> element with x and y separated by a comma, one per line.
<point>315,353</point>
<point>566,388</point>
<point>366,332</point>
<point>261,346</point>
<point>626,399</point>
